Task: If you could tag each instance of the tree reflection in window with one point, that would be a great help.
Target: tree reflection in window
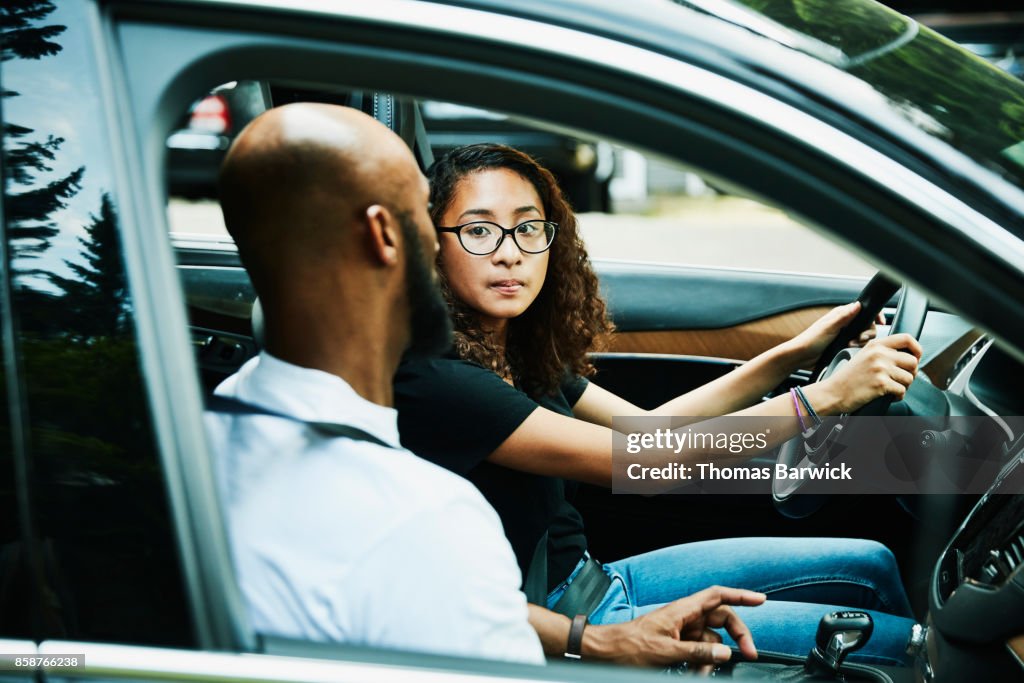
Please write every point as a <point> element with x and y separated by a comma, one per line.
<point>101,562</point>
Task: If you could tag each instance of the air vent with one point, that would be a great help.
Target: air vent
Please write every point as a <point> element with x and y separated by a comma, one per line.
<point>1003,561</point>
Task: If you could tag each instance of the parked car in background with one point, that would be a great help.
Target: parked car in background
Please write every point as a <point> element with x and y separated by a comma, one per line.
<point>583,169</point>
<point>874,131</point>
<point>196,149</point>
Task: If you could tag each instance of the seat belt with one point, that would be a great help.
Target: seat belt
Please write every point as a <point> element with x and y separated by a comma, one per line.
<point>232,406</point>
<point>421,148</point>
<point>582,596</point>
<point>536,583</point>
<point>585,592</point>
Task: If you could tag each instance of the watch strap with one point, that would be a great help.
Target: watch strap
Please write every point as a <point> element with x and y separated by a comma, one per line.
<point>574,648</point>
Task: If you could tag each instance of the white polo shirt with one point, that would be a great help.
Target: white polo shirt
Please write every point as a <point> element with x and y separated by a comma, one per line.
<point>341,540</point>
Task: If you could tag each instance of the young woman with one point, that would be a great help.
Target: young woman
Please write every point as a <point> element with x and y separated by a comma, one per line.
<point>511,409</point>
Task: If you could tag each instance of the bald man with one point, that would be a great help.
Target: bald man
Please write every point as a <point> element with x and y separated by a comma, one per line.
<point>348,537</point>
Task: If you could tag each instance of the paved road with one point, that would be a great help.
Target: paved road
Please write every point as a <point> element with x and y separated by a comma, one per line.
<point>719,232</point>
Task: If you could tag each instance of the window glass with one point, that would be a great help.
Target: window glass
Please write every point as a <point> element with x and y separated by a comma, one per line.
<point>196,147</point>
<point>948,94</point>
<point>632,205</point>
<point>103,554</point>
<point>665,213</point>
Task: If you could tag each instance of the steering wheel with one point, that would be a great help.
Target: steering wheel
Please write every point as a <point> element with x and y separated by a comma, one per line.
<point>911,308</point>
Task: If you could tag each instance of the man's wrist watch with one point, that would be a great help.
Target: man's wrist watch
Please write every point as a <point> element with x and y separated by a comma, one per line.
<point>574,648</point>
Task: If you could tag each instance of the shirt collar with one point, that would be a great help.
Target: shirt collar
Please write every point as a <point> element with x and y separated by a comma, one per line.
<point>312,395</point>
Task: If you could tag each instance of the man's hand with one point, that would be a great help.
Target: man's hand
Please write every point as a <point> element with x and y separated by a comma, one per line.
<point>677,632</point>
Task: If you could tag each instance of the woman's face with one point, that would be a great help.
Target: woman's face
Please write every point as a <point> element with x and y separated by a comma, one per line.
<point>503,284</point>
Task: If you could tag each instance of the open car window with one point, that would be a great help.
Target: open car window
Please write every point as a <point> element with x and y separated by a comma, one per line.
<point>632,205</point>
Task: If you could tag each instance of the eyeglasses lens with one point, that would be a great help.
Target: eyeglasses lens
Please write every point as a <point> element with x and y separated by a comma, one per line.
<point>532,237</point>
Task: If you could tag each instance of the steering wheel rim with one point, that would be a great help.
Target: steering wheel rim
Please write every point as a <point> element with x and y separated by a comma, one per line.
<point>911,309</point>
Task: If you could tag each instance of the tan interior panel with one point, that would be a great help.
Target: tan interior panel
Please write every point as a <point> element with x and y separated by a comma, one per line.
<point>747,340</point>
<point>1016,645</point>
<point>740,342</point>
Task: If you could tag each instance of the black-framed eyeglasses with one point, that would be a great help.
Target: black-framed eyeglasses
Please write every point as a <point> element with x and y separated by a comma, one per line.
<point>484,237</point>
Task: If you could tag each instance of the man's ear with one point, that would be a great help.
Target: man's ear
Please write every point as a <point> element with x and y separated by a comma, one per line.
<point>383,234</point>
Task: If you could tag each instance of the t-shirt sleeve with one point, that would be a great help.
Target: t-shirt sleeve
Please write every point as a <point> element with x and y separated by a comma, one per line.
<point>573,388</point>
<point>455,413</point>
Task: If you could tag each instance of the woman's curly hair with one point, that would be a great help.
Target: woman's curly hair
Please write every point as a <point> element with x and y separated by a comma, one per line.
<point>567,320</point>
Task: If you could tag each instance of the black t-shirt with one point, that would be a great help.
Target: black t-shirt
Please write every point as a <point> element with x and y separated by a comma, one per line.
<point>455,414</point>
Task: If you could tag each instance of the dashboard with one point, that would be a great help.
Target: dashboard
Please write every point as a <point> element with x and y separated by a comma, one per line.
<point>975,629</point>
<point>975,625</point>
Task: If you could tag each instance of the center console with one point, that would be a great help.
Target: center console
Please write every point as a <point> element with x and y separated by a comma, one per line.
<point>975,627</point>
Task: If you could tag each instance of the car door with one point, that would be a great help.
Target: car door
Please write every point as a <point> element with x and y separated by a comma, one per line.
<point>153,60</point>
<point>102,576</point>
<point>121,569</point>
<point>675,102</point>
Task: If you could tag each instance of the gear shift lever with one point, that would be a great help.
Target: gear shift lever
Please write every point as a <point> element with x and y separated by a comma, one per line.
<point>839,634</point>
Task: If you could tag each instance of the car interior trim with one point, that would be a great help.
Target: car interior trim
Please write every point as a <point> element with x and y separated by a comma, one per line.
<point>128,662</point>
<point>645,297</point>
<point>178,317</point>
<point>672,357</point>
<point>740,342</point>
<point>961,385</point>
<point>1016,647</point>
<point>941,367</point>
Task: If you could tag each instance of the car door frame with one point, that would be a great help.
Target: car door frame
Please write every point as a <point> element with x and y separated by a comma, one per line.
<point>592,83</point>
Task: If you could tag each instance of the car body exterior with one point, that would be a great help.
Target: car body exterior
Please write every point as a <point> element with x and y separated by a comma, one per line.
<point>113,541</point>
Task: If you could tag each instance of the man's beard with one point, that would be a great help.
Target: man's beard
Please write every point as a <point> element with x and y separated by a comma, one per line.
<point>429,322</point>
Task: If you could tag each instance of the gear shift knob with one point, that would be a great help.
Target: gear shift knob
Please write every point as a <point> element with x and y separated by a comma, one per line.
<point>839,634</point>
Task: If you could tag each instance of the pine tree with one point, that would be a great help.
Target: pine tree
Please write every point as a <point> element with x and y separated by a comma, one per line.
<point>95,300</point>
<point>19,38</point>
<point>29,223</point>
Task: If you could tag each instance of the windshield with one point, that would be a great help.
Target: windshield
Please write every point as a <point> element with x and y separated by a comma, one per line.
<point>949,93</point>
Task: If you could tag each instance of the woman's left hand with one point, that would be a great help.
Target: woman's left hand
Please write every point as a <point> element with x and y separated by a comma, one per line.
<point>806,347</point>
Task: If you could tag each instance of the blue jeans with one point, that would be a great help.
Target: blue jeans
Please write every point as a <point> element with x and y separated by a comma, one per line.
<point>803,577</point>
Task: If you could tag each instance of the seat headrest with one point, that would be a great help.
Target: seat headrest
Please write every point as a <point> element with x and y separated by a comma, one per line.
<point>400,115</point>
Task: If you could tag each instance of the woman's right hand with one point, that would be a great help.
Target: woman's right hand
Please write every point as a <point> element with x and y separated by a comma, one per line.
<point>884,367</point>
